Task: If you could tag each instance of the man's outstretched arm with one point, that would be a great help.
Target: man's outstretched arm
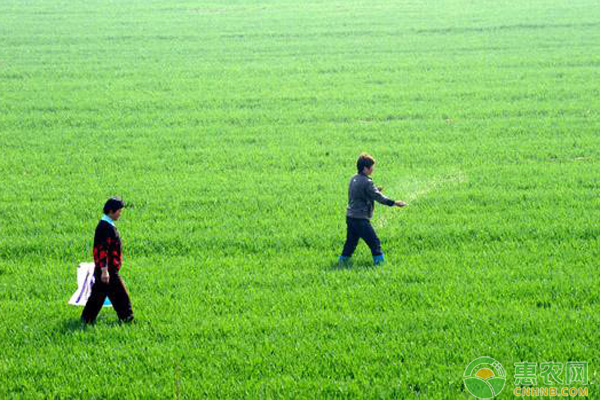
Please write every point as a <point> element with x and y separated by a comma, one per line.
<point>374,192</point>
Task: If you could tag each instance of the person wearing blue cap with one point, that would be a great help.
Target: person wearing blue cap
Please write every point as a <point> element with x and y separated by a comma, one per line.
<point>362,194</point>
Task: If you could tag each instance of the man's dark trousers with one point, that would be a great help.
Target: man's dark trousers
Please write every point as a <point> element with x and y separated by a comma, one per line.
<point>358,228</point>
<point>116,292</point>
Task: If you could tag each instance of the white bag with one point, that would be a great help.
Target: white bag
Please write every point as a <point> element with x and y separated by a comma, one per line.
<point>85,281</point>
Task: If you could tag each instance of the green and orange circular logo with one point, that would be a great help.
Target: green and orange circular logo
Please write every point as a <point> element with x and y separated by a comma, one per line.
<point>484,378</point>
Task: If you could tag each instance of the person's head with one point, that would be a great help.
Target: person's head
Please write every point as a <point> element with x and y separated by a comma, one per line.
<point>365,164</point>
<point>113,207</point>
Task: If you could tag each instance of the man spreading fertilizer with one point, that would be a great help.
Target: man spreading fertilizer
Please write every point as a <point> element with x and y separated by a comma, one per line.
<point>108,258</point>
<point>362,193</point>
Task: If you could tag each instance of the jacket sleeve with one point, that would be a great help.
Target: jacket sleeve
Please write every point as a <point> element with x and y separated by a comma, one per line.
<point>101,248</point>
<point>374,193</point>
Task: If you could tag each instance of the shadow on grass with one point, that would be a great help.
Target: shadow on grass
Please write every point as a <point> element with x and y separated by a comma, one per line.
<point>70,326</point>
<point>76,325</point>
<point>354,265</point>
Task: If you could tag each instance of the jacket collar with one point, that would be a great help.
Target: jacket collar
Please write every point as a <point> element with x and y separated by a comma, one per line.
<point>365,175</point>
<point>107,219</point>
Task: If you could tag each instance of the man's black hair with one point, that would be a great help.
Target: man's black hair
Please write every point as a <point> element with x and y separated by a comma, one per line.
<point>364,160</point>
<point>113,204</point>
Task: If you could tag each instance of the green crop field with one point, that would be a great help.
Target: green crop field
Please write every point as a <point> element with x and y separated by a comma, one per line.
<point>232,128</point>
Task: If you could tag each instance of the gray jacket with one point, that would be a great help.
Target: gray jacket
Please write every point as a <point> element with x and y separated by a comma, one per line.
<point>362,193</point>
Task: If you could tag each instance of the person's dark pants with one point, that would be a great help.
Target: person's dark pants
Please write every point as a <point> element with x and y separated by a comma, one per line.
<point>360,229</point>
<point>116,292</point>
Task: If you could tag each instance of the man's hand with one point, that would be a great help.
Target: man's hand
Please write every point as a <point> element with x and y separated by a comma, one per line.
<point>400,203</point>
<point>105,277</point>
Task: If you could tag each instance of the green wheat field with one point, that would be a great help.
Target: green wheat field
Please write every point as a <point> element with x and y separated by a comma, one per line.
<point>232,129</point>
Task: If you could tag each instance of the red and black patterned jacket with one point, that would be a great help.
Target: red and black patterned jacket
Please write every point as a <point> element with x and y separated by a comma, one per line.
<point>107,247</point>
